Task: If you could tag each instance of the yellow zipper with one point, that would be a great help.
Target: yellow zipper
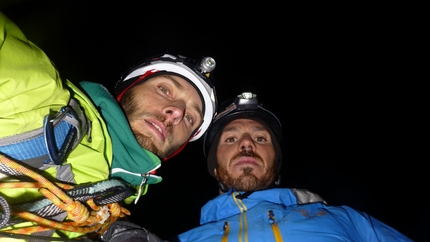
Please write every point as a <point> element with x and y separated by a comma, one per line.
<point>243,221</point>
<point>226,229</point>
<point>275,228</point>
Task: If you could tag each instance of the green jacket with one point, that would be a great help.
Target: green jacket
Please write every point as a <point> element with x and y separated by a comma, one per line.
<point>31,88</point>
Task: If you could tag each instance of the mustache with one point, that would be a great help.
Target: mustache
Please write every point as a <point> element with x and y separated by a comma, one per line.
<point>247,153</point>
<point>162,118</point>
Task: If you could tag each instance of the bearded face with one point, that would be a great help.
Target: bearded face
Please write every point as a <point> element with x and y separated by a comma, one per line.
<point>131,108</point>
<point>247,180</point>
<point>163,112</point>
<point>245,156</point>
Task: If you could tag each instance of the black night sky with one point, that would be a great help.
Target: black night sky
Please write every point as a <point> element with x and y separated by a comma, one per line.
<point>344,80</point>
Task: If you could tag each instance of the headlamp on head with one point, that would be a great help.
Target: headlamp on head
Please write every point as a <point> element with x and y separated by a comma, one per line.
<point>247,106</point>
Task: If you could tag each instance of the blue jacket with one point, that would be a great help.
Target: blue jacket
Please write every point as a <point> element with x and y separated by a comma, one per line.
<point>279,214</point>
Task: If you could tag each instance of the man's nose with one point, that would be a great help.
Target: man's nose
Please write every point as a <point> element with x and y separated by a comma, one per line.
<point>174,113</point>
<point>246,143</point>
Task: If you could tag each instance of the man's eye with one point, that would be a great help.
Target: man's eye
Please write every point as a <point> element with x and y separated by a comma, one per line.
<point>189,118</point>
<point>261,139</point>
<point>230,140</point>
<point>164,90</point>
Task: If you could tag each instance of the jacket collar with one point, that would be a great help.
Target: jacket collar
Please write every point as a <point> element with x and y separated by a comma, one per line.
<point>130,161</point>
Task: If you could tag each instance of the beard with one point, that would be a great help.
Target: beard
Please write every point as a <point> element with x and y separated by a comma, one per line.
<point>247,181</point>
<point>130,108</point>
<point>146,143</point>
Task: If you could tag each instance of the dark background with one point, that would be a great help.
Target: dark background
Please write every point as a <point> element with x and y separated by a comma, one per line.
<point>346,81</point>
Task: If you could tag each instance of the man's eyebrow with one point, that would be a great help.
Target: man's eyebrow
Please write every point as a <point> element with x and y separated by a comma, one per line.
<point>175,82</point>
<point>181,88</point>
<point>230,129</point>
<point>198,110</point>
<point>257,127</point>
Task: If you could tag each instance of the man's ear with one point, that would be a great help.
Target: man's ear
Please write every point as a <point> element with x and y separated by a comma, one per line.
<point>215,173</point>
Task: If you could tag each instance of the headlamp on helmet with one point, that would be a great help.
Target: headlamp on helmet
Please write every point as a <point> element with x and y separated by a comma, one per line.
<point>245,106</point>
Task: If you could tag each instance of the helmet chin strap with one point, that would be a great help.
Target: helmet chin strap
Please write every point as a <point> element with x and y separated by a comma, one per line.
<point>222,187</point>
<point>176,152</point>
<point>277,181</point>
<point>183,146</point>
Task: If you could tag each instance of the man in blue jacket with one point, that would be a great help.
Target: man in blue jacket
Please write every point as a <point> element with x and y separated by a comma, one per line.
<point>243,152</point>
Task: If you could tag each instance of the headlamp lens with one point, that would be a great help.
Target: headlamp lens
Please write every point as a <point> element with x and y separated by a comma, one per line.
<point>247,95</point>
<point>208,64</point>
<point>246,100</point>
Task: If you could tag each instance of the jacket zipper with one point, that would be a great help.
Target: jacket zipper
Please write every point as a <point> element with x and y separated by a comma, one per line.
<point>275,228</point>
<point>226,229</point>
<point>243,221</point>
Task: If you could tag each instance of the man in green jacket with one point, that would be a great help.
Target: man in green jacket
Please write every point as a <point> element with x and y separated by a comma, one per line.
<point>63,145</point>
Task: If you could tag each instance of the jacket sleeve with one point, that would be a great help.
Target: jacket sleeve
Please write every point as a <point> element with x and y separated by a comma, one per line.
<point>30,85</point>
<point>372,229</point>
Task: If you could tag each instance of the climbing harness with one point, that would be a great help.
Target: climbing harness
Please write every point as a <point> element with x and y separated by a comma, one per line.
<point>86,209</point>
<point>51,143</point>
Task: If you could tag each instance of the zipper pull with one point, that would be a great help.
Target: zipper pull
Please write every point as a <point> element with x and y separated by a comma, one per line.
<point>139,191</point>
<point>226,231</point>
<point>271,215</point>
